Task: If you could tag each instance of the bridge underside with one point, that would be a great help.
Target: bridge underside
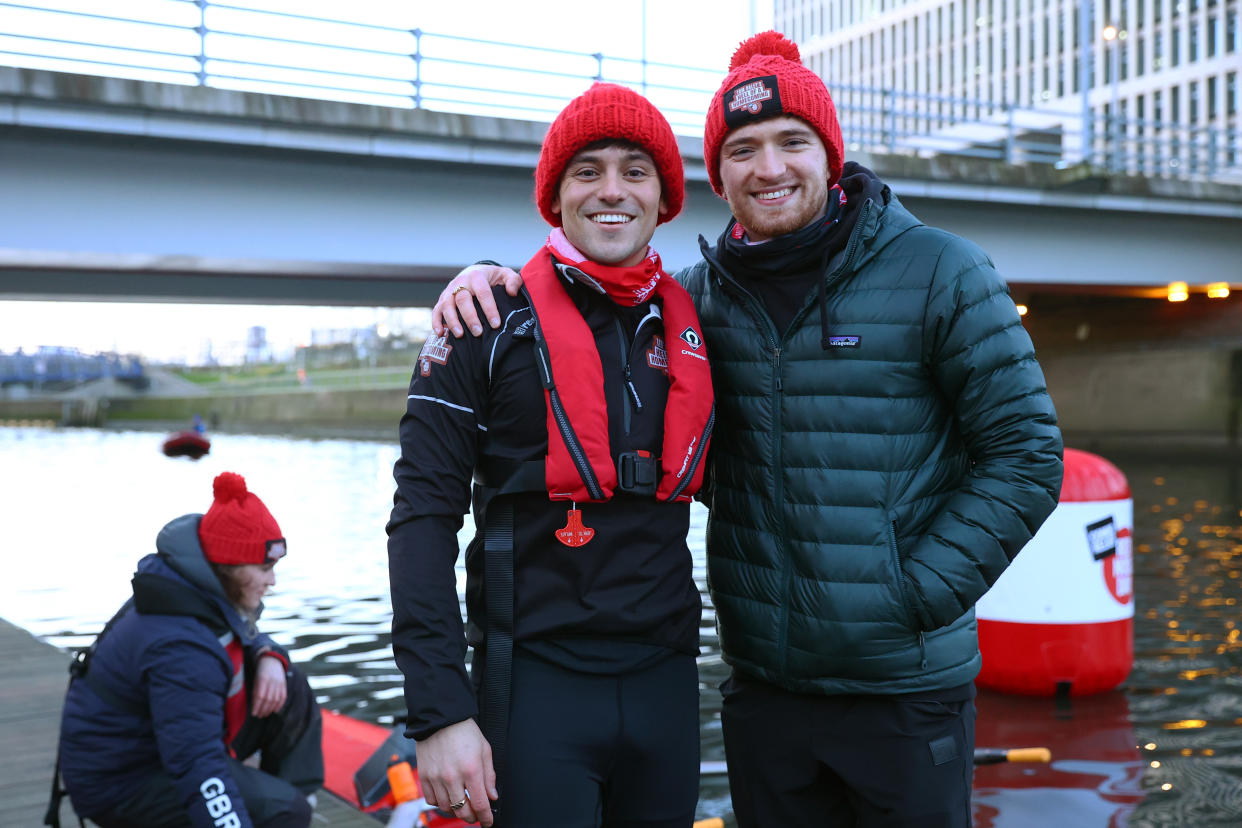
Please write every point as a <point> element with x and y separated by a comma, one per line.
<point>42,275</point>
<point>92,212</point>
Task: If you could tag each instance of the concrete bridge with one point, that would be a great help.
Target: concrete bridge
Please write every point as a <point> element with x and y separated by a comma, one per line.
<point>122,189</point>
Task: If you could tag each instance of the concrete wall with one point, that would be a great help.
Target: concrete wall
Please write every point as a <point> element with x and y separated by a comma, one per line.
<point>366,410</point>
<point>1170,392</point>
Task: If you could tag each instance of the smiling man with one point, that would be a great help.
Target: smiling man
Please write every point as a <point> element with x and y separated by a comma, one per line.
<point>887,446</point>
<point>583,421</point>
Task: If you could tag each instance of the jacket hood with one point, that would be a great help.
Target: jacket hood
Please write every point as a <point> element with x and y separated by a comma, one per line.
<point>180,556</point>
<point>882,217</point>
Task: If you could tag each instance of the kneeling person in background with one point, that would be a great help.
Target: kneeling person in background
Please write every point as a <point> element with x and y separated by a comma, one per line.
<point>181,687</point>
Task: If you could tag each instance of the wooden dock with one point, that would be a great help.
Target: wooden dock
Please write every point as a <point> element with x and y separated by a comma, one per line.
<point>32,689</point>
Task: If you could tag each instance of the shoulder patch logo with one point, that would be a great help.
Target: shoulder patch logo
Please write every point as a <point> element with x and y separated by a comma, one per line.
<point>845,341</point>
<point>691,337</point>
<point>436,349</point>
<point>657,356</point>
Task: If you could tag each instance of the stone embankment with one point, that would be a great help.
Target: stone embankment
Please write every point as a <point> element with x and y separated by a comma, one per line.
<point>370,408</point>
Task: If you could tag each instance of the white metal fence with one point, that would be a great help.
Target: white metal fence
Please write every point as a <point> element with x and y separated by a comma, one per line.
<point>235,46</point>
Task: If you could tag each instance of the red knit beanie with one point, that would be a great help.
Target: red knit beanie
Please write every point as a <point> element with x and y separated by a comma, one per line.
<point>607,110</point>
<point>766,79</point>
<point>238,528</point>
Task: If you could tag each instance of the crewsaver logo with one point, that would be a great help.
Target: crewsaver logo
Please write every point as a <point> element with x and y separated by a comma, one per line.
<point>686,462</point>
<point>691,337</point>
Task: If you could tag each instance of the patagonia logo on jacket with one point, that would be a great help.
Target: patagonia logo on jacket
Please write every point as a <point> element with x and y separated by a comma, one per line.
<point>844,341</point>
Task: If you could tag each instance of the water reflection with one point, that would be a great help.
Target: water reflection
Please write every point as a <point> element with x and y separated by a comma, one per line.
<point>79,507</point>
<point>1096,772</point>
<point>1184,690</point>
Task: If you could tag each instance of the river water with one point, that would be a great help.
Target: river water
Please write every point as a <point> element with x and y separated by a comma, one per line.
<point>78,507</point>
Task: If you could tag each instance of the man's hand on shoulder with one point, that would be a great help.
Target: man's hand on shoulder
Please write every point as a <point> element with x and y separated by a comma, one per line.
<point>455,765</point>
<point>456,305</point>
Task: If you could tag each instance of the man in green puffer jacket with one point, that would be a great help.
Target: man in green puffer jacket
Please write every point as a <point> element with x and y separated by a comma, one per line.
<point>885,446</point>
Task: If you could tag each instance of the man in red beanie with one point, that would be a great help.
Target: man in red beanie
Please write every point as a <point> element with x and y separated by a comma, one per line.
<point>888,447</point>
<point>583,422</point>
<point>180,688</point>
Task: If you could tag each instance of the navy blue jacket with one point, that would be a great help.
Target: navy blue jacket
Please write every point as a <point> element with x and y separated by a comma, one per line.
<point>167,677</point>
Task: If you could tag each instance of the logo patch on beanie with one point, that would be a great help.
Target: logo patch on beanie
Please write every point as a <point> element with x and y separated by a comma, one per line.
<point>755,98</point>
<point>275,550</point>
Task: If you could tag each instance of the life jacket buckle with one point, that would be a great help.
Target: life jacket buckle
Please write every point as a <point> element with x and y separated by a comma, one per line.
<point>638,473</point>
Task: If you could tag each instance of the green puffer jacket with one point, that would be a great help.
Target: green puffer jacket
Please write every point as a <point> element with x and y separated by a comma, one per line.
<point>868,486</point>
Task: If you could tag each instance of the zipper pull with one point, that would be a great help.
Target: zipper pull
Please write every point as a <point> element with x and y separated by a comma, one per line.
<point>633,390</point>
<point>776,362</point>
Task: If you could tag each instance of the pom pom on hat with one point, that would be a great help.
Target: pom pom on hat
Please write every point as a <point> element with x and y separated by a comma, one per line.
<point>765,43</point>
<point>608,111</point>
<point>767,79</point>
<point>238,528</point>
<point>228,487</point>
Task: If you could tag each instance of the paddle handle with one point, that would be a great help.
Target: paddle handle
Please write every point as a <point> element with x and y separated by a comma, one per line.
<point>1031,754</point>
<point>994,756</point>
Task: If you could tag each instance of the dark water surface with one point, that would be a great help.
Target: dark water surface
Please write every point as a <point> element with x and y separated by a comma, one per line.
<point>79,507</point>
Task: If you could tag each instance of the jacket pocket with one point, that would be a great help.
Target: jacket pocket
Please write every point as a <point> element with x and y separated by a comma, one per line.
<point>899,575</point>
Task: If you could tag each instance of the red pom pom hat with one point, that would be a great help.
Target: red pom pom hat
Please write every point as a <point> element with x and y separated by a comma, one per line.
<point>766,79</point>
<point>238,528</point>
<point>605,111</point>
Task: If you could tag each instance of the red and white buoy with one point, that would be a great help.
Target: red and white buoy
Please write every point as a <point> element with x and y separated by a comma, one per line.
<point>1061,618</point>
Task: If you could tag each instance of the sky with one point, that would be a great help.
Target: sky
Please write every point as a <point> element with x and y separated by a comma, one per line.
<point>701,33</point>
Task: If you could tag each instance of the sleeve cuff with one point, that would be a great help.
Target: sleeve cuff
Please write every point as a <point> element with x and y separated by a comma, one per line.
<point>276,655</point>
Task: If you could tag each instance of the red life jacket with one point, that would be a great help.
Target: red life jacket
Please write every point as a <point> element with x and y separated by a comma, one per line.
<point>235,702</point>
<point>579,465</point>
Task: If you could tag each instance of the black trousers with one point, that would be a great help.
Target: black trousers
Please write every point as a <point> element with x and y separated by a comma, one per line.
<point>903,761</point>
<point>290,767</point>
<point>590,750</point>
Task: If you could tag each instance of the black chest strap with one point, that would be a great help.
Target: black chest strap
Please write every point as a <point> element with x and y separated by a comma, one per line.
<point>638,473</point>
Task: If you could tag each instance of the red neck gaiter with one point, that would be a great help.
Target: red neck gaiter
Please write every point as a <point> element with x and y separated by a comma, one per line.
<point>628,286</point>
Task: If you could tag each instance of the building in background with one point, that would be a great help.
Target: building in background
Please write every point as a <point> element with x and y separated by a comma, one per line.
<point>948,69</point>
<point>257,348</point>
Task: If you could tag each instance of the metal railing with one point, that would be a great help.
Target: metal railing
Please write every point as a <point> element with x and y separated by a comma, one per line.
<point>235,46</point>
